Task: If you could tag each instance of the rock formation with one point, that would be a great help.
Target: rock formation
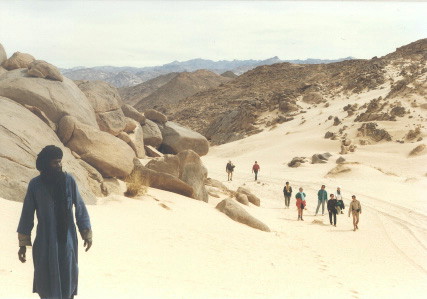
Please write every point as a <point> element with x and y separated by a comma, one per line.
<point>3,56</point>
<point>177,138</point>
<point>185,166</point>
<point>18,60</point>
<point>19,149</point>
<point>371,130</point>
<point>54,98</point>
<point>232,209</point>
<point>106,102</point>
<point>152,134</point>
<point>42,69</point>
<point>251,197</point>
<point>131,112</point>
<point>164,181</point>
<point>155,116</point>
<point>111,156</point>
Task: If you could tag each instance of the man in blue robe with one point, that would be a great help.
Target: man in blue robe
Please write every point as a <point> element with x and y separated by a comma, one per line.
<point>52,195</point>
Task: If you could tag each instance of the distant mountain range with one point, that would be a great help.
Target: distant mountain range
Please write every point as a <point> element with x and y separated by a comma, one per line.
<point>130,76</point>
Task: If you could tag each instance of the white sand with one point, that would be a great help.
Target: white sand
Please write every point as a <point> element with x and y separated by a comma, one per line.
<point>143,250</point>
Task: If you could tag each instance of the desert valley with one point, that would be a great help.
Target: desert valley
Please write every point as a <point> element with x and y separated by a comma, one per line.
<point>184,230</point>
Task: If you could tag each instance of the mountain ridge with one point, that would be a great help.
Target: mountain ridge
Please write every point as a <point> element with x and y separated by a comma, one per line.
<point>136,75</point>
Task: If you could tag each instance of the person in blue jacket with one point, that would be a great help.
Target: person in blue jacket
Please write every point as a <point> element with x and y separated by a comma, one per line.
<point>52,196</point>
<point>322,197</point>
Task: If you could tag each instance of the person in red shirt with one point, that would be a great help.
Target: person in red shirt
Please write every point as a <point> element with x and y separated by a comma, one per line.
<point>255,170</point>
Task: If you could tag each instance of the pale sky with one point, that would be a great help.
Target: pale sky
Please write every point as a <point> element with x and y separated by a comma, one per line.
<point>147,33</point>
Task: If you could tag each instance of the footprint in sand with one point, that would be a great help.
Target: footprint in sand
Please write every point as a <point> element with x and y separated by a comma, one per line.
<point>323,267</point>
<point>355,294</point>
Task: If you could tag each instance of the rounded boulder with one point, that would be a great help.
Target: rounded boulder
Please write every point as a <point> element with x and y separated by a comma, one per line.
<point>177,138</point>
<point>111,156</point>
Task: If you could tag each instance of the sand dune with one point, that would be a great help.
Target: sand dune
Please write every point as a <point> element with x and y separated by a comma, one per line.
<point>163,245</point>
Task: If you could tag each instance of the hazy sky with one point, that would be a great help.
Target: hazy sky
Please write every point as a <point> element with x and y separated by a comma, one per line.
<point>146,33</point>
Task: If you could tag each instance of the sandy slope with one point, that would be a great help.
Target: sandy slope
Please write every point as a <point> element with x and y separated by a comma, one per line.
<point>164,245</point>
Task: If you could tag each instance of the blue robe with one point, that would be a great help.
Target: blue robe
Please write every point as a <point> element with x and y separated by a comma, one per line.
<point>55,264</point>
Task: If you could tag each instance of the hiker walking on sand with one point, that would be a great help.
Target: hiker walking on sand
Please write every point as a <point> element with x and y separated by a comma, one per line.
<point>332,203</point>
<point>255,170</point>
<point>52,196</point>
<point>340,202</point>
<point>229,168</point>
<point>322,197</point>
<point>287,192</point>
<point>301,203</point>
<point>356,209</point>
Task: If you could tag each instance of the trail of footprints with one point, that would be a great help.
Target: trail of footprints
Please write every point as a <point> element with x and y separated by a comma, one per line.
<point>323,267</point>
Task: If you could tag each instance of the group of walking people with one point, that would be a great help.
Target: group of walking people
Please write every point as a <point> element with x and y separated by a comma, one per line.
<point>335,205</point>
<point>229,168</point>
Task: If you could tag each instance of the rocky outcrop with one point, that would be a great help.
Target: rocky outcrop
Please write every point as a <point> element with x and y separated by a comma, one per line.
<point>177,139</point>
<point>242,198</point>
<point>337,121</point>
<point>18,60</point>
<point>412,134</point>
<point>230,126</point>
<point>370,130</point>
<point>347,146</point>
<point>137,141</point>
<point>187,167</point>
<point>152,134</point>
<point>320,158</point>
<point>193,172</point>
<point>251,197</point>
<point>40,114</point>
<point>418,150</point>
<point>42,69</point>
<point>155,116</point>
<point>152,152</point>
<point>374,112</point>
<point>131,112</point>
<point>54,98</point>
<point>106,102</point>
<point>96,181</point>
<point>19,149</point>
<point>167,164</point>
<point>288,106</point>
<point>337,170</point>
<point>216,184</point>
<point>296,162</point>
<point>340,160</point>
<point>164,181</point>
<point>130,125</point>
<point>111,156</point>
<point>374,117</point>
<point>313,98</point>
<point>3,56</point>
<point>232,209</point>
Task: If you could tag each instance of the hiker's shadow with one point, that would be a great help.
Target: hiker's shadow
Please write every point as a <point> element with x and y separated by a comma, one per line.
<point>289,219</point>
<point>341,230</point>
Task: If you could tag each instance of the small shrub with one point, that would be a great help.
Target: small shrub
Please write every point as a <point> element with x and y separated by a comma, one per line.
<point>136,184</point>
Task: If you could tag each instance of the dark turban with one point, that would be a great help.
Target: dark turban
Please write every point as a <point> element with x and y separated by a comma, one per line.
<point>56,185</point>
<point>47,154</point>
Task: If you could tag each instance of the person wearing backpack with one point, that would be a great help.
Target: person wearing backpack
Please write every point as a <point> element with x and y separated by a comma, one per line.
<point>340,202</point>
<point>332,203</point>
<point>301,203</point>
<point>229,168</point>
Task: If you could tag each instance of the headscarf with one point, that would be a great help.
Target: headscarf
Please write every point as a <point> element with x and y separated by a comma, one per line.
<point>56,184</point>
<point>47,154</point>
